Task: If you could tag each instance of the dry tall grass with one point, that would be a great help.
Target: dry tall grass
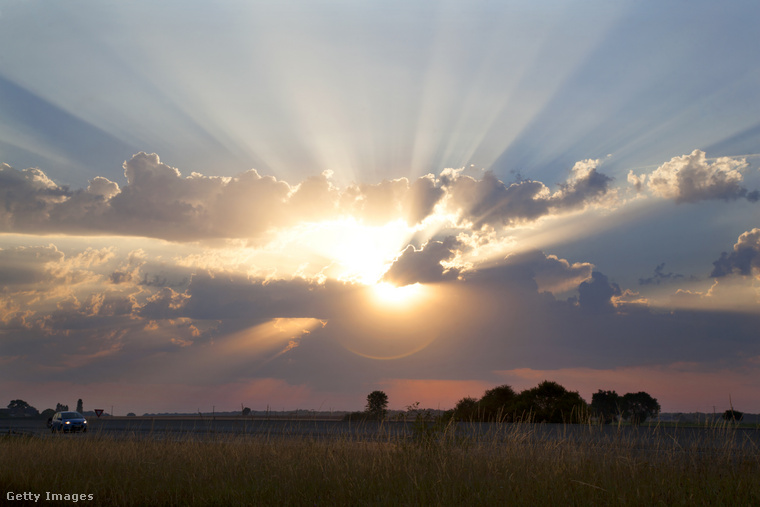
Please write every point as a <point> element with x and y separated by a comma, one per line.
<point>512,466</point>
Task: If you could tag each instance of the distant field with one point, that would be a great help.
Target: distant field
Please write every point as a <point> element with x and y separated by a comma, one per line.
<point>519,464</point>
<point>183,427</point>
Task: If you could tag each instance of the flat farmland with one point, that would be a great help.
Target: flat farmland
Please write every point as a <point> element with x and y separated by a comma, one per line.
<point>652,438</point>
<point>237,461</point>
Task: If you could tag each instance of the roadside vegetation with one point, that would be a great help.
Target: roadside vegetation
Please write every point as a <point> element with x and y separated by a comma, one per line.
<point>512,464</point>
<point>601,453</point>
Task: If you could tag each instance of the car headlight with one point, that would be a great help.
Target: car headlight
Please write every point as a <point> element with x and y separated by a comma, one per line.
<point>67,422</point>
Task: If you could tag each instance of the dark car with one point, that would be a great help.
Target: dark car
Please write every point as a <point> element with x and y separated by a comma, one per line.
<point>68,422</point>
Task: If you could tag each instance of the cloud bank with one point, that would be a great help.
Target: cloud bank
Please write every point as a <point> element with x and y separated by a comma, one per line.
<point>158,202</point>
<point>76,309</point>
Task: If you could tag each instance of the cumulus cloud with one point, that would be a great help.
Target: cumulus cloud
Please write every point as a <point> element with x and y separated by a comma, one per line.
<point>596,295</point>
<point>555,275</point>
<point>585,185</point>
<point>743,260</point>
<point>26,198</point>
<point>158,201</point>
<point>164,304</point>
<point>529,272</point>
<point>129,270</point>
<point>376,203</point>
<point>692,178</point>
<point>424,265</point>
<point>120,309</point>
<point>493,318</point>
<point>315,197</point>
<point>637,181</point>
<point>389,200</point>
<point>102,187</point>
<point>489,202</point>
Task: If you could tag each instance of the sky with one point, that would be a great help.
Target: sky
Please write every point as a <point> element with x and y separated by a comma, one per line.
<point>292,204</point>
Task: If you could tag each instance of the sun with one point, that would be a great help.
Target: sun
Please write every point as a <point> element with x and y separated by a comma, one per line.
<point>399,321</point>
<point>346,249</point>
<point>403,297</point>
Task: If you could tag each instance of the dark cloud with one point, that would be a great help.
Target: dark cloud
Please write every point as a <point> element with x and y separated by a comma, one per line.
<point>660,276</point>
<point>550,272</point>
<point>489,202</point>
<point>743,259</point>
<point>26,198</point>
<point>424,265</point>
<point>532,272</point>
<point>595,295</point>
<point>488,319</point>
<point>585,185</point>
<point>217,296</point>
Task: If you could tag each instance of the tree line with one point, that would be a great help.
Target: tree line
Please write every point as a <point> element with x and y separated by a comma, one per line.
<point>20,408</point>
<point>548,402</point>
<point>552,403</point>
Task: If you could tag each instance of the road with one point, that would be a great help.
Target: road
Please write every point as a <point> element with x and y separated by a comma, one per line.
<point>744,440</point>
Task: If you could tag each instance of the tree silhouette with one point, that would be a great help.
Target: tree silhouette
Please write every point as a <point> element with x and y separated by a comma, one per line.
<point>22,408</point>
<point>466,409</point>
<point>377,404</point>
<point>550,402</point>
<point>606,405</point>
<point>733,415</point>
<point>496,404</point>
<point>80,406</point>
<point>638,407</point>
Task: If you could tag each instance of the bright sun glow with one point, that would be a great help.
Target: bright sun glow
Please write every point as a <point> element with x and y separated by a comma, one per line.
<point>348,249</point>
<point>388,294</point>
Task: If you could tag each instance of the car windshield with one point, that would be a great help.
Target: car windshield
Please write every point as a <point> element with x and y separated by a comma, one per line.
<point>71,415</point>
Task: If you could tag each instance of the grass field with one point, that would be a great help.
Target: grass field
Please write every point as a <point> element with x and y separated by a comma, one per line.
<point>434,469</point>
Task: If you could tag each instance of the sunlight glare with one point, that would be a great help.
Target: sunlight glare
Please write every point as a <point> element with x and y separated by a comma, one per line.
<point>389,295</point>
<point>355,251</point>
